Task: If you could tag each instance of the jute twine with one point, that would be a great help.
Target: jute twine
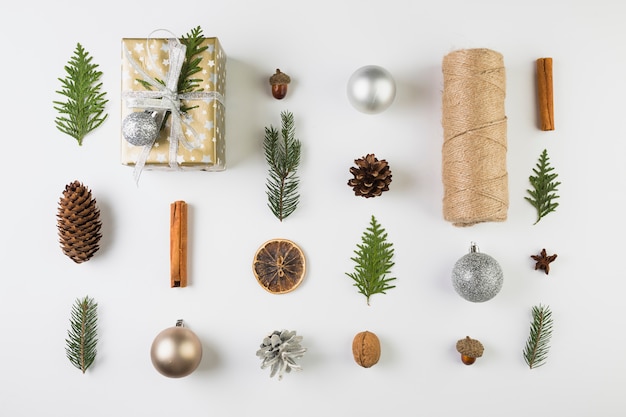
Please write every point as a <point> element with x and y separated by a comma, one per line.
<point>474,123</point>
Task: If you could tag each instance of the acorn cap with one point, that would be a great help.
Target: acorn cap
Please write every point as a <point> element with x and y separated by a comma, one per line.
<point>279,78</point>
<point>470,347</point>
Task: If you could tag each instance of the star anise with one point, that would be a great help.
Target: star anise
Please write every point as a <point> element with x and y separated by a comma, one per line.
<point>543,261</point>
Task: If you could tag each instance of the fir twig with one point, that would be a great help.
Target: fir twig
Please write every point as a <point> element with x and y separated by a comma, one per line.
<point>538,343</point>
<point>282,153</point>
<point>373,262</point>
<point>543,194</point>
<point>83,110</point>
<point>82,335</point>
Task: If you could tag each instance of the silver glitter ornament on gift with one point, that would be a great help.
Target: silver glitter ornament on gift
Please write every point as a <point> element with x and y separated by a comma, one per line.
<point>477,277</point>
<point>140,128</point>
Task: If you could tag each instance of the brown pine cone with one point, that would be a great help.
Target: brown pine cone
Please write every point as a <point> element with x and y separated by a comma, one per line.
<point>78,221</point>
<point>371,176</point>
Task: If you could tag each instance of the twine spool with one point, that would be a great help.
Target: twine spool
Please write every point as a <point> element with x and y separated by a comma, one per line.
<point>474,123</point>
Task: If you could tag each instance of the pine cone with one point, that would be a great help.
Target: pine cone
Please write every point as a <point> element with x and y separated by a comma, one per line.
<point>78,222</point>
<point>279,351</point>
<point>371,176</point>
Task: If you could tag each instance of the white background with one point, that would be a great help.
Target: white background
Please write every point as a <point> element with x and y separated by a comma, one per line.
<point>319,44</point>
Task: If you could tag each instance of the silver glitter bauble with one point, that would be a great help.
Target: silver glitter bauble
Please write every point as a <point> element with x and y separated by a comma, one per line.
<point>140,128</point>
<point>371,89</point>
<point>477,277</point>
<point>176,351</point>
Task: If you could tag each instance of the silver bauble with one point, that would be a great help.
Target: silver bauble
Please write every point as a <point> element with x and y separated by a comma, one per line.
<point>140,128</point>
<point>176,351</point>
<point>371,89</point>
<point>477,277</point>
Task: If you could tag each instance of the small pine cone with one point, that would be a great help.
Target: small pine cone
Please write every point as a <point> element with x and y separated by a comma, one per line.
<point>279,351</point>
<point>78,221</point>
<point>371,176</point>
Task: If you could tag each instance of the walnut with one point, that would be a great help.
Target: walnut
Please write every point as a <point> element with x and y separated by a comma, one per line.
<point>366,349</point>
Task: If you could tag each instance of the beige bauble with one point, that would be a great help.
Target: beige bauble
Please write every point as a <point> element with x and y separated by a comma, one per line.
<point>176,352</point>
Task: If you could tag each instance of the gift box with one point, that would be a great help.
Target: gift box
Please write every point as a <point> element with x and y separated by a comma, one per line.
<point>187,130</point>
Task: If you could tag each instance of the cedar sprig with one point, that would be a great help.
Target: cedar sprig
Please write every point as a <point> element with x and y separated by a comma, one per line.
<point>82,337</point>
<point>282,153</point>
<point>373,262</point>
<point>83,110</point>
<point>544,190</point>
<point>538,343</point>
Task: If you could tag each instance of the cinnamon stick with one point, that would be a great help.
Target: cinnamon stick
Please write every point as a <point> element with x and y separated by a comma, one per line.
<point>544,93</point>
<point>178,244</point>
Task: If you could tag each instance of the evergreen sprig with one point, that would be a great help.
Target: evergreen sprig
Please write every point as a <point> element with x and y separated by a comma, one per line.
<point>193,41</point>
<point>82,337</point>
<point>186,84</point>
<point>83,110</point>
<point>544,190</point>
<point>282,153</point>
<point>373,262</point>
<point>538,343</point>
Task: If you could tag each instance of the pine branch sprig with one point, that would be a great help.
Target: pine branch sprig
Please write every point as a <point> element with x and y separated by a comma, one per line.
<point>282,153</point>
<point>83,333</point>
<point>538,343</point>
<point>373,262</point>
<point>544,189</point>
<point>84,108</point>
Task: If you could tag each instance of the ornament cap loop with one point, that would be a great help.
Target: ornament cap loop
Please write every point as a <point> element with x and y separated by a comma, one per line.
<point>179,323</point>
<point>474,248</point>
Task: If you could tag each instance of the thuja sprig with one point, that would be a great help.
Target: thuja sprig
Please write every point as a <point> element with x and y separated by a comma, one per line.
<point>373,262</point>
<point>538,343</point>
<point>282,153</point>
<point>83,110</point>
<point>544,189</point>
<point>82,337</point>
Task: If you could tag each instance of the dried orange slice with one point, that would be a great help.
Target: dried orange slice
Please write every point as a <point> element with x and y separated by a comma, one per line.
<point>279,266</point>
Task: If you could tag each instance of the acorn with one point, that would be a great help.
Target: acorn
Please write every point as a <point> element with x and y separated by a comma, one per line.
<point>470,349</point>
<point>279,83</point>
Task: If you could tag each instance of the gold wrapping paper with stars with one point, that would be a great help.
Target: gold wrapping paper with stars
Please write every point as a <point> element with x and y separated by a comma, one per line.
<point>205,126</point>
